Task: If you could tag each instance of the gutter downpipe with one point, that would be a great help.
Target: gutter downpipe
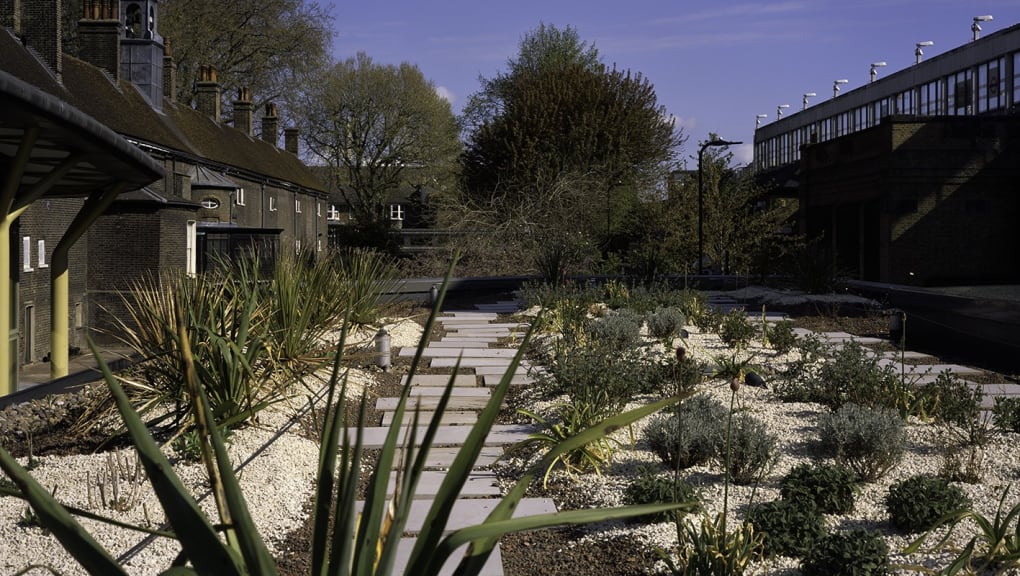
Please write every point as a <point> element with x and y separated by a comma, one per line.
<point>89,213</point>
<point>8,378</point>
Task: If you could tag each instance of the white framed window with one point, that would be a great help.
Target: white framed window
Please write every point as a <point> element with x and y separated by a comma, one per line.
<point>42,255</point>
<point>318,245</point>
<point>318,209</point>
<point>79,319</point>
<point>239,197</point>
<point>191,248</point>
<point>26,254</point>
<point>332,213</point>
<point>210,203</point>
<point>297,206</point>
<point>272,204</point>
<point>297,246</point>
<point>396,212</point>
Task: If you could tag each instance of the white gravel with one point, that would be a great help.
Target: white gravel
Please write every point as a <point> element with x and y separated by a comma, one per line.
<point>794,425</point>
<point>277,483</point>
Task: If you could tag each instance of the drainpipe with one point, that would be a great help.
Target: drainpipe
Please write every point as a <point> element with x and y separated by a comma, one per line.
<point>8,380</point>
<point>94,207</point>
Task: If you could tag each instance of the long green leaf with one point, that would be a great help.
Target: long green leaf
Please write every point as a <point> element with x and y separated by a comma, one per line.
<point>72,536</point>
<point>190,525</point>
<point>505,508</point>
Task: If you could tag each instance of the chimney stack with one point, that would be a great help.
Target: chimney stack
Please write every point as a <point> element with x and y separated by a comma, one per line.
<point>271,125</point>
<point>244,111</point>
<point>99,35</point>
<point>207,93</point>
<point>169,73</point>
<point>42,31</point>
<point>290,140</point>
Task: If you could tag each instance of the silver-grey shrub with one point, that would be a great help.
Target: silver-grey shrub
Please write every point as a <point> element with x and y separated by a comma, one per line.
<point>665,323</point>
<point>752,449</point>
<point>688,436</point>
<point>869,441</point>
<point>618,328</point>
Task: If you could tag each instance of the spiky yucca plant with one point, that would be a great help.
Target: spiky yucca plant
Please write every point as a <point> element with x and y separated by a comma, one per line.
<point>349,542</point>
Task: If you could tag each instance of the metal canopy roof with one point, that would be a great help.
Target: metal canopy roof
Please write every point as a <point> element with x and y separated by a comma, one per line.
<point>100,158</point>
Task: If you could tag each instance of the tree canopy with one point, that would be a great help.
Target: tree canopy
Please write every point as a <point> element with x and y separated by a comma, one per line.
<point>378,127</point>
<point>267,45</point>
<point>561,116</point>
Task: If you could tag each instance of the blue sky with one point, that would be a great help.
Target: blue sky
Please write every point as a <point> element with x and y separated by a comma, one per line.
<point>715,64</point>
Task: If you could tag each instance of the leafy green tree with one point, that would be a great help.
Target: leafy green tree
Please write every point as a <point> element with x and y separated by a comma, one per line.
<point>379,127</point>
<point>562,140</point>
<point>267,45</point>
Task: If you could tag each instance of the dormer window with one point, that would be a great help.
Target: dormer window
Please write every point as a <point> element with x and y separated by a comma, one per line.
<point>210,203</point>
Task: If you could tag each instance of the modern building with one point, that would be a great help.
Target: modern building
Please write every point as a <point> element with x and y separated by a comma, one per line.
<point>222,189</point>
<point>911,178</point>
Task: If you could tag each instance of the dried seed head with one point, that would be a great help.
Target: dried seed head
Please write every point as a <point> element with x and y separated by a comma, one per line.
<point>735,384</point>
<point>681,353</point>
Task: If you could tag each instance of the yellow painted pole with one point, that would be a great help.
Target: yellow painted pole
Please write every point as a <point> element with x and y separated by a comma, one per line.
<point>59,307</point>
<point>8,383</point>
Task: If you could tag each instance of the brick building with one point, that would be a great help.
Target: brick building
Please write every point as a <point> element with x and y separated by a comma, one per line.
<point>223,189</point>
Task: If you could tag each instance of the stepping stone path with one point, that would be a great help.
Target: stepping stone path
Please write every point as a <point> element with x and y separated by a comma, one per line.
<point>470,336</point>
<point>920,368</point>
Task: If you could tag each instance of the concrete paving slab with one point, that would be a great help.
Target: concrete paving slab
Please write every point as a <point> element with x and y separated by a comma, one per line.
<point>468,339</point>
<point>468,314</point>
<point>463,392</point>
<point>499,435</point>
<point>490,380</point>
<point>441,380</point>
<point>441,457</point>
<point>478,485</point>
<point>471,511</point>
<point>465,343</point>
<point>493,565</point>
<point>928,368</point>
<point>490,325</point>
<point>431,402</point>
<point>895,355</point>
<point>450,417</point>
<point>431,352</point>
<point>473,362</point>
<point>500,370</point>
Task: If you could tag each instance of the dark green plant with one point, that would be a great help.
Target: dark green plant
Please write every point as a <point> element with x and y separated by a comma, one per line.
<point>855,552</point>
<point>798,380</point>
<point>789,527</point>
<point>690,435</point>
<point>665,323</point>
<point>995,547</point>
<point>305,302</point>
<point>570,419</point>
<point>730,367</point>
<point>346,538</point>
<point>368,282</point>
<point>599,375</point>
<point>736,329</point>
<point>781,336</point>
<point>651,487</point>
<point>920,502</point>
<point>752,450</point>
<point>674,375</point>
<point>707,319</point>
<point>830,487</point>
<point>949,400</point>
<point>868,441</point>
<point>1006,413</point>
<point>854,375</point>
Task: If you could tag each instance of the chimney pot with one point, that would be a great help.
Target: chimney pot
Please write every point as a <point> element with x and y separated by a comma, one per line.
<point>99,36</point>
<point>271,125</point>
<point>207,93</point>
<point>290,140</point>
<point>243,111</point>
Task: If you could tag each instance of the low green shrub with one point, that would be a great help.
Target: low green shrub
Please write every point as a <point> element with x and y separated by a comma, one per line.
<point>789,527</point>
<point>619,329</point>
<point>830,487</point>
<point>798,380</point>
<point>918,503</point>
<point>652,488</point>
<point>736,329</point>
<point>868,441</point>
<point>688,436</point>
<point>752,449</point>
<point>707,318</point>
<point>665,323</point>
<point>781,336</point>
<point>854,375</point>
<point>675,375</point>
<point>857,552</point>
<point>1006,413</point>
<point>599,375</point>
<point>949,400</point>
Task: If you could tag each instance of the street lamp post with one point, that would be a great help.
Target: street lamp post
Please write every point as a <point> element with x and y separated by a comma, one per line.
<point>918,52</point>
<point>701,198</point>
<point>976,26</point>
<point>779,110</point>
<point>874,69</point>
<point>835,86</point>
<point>806,96</point>
<point>758,119</point>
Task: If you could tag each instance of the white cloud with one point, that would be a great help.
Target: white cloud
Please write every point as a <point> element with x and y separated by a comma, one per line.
<point>446,94</point>
<point>743,154</point>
